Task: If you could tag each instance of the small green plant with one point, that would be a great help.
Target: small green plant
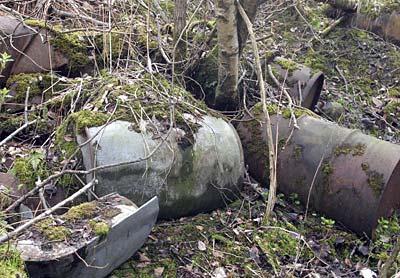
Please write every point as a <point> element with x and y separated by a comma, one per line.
<point>31,168</point>
<point>294,197</point>
<point>4,59</point>
<point>329,223</point>
<point>3,96</point>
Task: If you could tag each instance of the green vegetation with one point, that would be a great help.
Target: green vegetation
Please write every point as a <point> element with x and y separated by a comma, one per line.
<point>100,228</point>
<point>11,264</point>
<point>52,231</point>
<point>31,168</point>
<point>345,149</point>
<point>288,65</point>
<point>37,84</point>
<point>73,44</point>
<point>386,234</point>
<point>82,211</point>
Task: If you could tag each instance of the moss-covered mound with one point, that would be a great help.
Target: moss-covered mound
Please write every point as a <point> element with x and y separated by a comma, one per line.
<point>148,98</point>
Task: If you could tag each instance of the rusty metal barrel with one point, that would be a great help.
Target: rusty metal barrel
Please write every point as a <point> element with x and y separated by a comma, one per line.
<point>28,47</point>
<point>347,175</point>
<point>386,25</point>
<point>305,84</point>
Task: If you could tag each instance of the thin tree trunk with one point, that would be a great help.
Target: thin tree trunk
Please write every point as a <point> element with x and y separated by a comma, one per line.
<point>179,25</point>
<point>250,7</point>
<point>228,55</point>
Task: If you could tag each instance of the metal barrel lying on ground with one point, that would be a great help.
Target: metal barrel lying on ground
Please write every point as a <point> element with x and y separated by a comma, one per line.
<point>29,47</point>
<point>188,178</point>
<point>305,84</point>
<point>92,240</point>
<point>347,175</point>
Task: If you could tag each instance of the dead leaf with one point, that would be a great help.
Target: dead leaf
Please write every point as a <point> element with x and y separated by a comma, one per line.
<point>158,271</point>
<point>143,258</point>
<point>68,138</point>
<point>218,254</point>
<point>378,103</point>
<point>219,272</point>
<point>142,265</point>
<point>367,273</point>
<point>255,254</point>
<point>201,245</point>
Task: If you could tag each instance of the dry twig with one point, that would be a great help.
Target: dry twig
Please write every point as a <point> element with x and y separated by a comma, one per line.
<point>271,149</point>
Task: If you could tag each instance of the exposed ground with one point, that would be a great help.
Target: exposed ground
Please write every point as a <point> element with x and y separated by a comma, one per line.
<point>363,79</point>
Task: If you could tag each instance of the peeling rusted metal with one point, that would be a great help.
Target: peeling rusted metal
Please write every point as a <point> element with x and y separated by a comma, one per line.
<point>28,47</point>
<point>385,25</point>
<point>347,175</point>
<point>305,85</point>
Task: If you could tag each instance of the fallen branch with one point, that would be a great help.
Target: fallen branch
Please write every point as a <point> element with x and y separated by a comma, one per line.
<point>332,26</point>
<point>290,105</point>
<point>48,212</point>
<point>390,261</point>
<point>86,18</point>
<point>271,149</point>
<point>9,137</point>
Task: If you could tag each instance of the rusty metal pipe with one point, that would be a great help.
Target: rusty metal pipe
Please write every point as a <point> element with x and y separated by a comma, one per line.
<point>385,25</point>
<point>357,177</point>
<point>29,49</point>
<point>305,85</point>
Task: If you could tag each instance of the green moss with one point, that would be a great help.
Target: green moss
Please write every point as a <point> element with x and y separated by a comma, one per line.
<point>73,45</point>
<point>11,122</point>
<point>100,228</point>
<point>118,46</point>
<point>316,61</point>
<point>394,92</point>
<point>279,241</point>
<point>273,109</point>
<point>31,168</point>
<point>392,109</point>
<point>87,118</point>
<point>36,82</point>
<point>52,231</point>
<point>298,152</point>
<point>288,65</point>
<point>144,32</point>
<point>327,169</point>
<point>82,211</point>
<point>168,6</point>
<point>76,123</point>
<point>345,149</point>
<point>384,239</point>
<point>376,182</point>
<point>11,264</point>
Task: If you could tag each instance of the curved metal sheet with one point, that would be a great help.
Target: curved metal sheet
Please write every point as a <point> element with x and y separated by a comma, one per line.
<point>347,175</point>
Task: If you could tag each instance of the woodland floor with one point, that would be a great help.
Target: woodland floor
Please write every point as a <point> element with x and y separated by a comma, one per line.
<point>362,74</point>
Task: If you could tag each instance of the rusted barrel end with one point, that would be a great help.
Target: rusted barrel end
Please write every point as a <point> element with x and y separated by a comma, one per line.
<point>305,84</point>
<point>386,25</point>
<point>347,175</point>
